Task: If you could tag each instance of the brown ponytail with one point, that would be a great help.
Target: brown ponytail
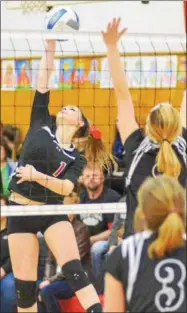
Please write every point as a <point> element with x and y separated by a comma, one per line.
<point>162,201</point>
<point>88,140</point>
<point>96,152</point>
<point>164,125</point>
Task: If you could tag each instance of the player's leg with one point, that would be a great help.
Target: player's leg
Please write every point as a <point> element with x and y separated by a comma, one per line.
<point>24,252</point>
<point>61,240</point>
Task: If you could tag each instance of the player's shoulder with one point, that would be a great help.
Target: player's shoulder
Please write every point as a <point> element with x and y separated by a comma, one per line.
<point>47,131</point>
<point>184,133</point>
<point>134,140</point>
<point>133,241</point>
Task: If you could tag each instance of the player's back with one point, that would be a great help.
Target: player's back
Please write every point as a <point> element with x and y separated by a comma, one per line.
<point>160,284</point>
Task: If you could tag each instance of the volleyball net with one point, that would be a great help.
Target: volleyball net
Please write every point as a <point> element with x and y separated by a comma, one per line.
<point>44,210</point>
<point>155,66</point>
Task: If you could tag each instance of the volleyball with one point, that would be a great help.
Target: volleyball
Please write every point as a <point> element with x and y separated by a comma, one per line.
<point>61,19</point>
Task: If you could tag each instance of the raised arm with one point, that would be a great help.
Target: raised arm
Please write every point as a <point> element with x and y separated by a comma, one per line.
<point>126,114</point>
<point>183,110</point>
<point>40,114</point>
<point>46,67</point>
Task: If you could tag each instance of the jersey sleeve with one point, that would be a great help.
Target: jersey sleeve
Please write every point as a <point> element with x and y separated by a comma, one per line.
<point>75,170</point>
<point>114,264</point>
<point>184,135</point>
<point>133,141</point>
<point>40,113</point>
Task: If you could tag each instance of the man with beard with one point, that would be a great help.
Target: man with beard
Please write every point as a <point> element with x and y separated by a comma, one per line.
<point>99,225</point>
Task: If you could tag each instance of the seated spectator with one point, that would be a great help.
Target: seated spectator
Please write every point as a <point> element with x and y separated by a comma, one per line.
<point>12,137</point>
<point>54,288</point>
<point>118,148</point>
<point>7,290</point>
<point>117,231</point>
<point>98,224</point>
<point>7,168</point>
<point>1,129</point>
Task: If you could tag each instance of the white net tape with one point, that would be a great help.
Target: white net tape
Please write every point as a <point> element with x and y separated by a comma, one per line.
<point>32,43</point>
<point>43,210</point>
<point>33,6</point>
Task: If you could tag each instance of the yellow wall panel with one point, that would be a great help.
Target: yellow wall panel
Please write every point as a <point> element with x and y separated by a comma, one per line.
<point>99,105</point>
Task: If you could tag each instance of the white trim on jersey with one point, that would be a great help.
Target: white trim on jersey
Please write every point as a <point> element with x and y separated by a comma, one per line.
<point>133,247</point>
<point>47,129</point>
<point>147,145</point>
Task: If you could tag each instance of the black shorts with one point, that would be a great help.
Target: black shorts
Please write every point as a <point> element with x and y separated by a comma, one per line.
<point>32,224</point>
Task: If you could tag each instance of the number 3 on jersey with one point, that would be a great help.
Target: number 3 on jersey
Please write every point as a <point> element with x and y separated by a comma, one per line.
<point>171,274</point>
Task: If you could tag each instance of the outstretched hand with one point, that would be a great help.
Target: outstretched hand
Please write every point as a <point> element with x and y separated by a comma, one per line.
<point>112,34</point>
<point>27,173</point>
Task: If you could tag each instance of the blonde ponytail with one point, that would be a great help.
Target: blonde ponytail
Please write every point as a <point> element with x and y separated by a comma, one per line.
<point>164,125</point>
<point>167,160</point>
<point>139,221</point>
<point>170,236</point>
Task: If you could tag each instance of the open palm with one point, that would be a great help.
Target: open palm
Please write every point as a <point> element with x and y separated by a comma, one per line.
<point>112,34</point>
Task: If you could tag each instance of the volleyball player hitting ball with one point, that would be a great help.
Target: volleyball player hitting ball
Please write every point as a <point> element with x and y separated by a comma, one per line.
<point>48,169</point>
<point>161,148</point>
<point>147,272</point>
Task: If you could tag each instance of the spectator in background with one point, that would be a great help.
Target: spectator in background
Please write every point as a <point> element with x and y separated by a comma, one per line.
<point>7,168</point>
<point>98,224</point>
<point>1,129</point>
<point>7,290</point>
<point>118,148</point>
<point>117,230</point>
<point>116,179</point>
<point>54,288</point>
<point>12,137</point>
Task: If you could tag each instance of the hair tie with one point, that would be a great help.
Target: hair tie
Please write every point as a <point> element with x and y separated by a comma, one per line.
<point>167,141</point>
<point>95,133</point>
<point>173,211</point>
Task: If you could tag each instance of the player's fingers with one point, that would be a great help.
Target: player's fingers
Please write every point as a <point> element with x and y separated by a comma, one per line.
<point>103,34</point>
<point>118,22</point>
<point>19,168</point>
<point>20,181</point>
<point>108,27</point>
<point>18,175</point>
<point>114,21</point>
<point>122,32</point>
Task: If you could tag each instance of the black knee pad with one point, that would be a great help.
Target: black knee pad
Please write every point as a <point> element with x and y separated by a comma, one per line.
<point>26,293</point>
<point>75,275</point>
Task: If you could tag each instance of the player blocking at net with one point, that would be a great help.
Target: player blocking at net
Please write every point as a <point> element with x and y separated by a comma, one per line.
<point>160,148</point>
<point>48,169</point>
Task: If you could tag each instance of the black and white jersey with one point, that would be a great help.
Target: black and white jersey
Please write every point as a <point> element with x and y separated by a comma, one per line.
<point>140,160</point>
<point>157,285</point>
<point>41,149</point>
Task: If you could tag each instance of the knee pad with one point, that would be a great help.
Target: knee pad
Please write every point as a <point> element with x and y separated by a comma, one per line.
<point>75,275</point>
<point>26,293</point>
